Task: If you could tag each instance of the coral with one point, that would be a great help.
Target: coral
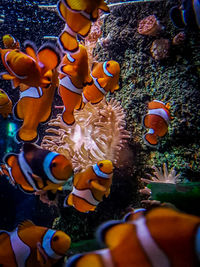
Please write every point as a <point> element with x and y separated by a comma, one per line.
<point>149,26</point>
<point>97,134</point>
<point>179,39</point>
<point>160,49</point>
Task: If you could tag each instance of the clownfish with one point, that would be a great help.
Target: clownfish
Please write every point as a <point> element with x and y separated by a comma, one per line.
<point>10,42</point>
<point>35,169</point>
<point>90,186</point>
<point>78,16</point>
<point>74,75</point>
<point>157,120</point>
<point>29,68</point>
<point>162,237</point>
<point>5,104</point>
<point>34,107</point>
<point>30,245</point>
<point>188,14</point>
<point>106,79</point>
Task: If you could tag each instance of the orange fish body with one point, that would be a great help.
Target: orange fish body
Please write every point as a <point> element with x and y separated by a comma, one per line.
<point>5,104</point>
<point>157,120</point>
<point>162,237</point>
<point>106,79</point>
<point>30,245</point>
<point>10,42</point>
<point>29,68</point>
<point>34,107</point>
<point>35,169</point>
<point>77,16</point>
<point>74,74</point>
<point>90,186</point>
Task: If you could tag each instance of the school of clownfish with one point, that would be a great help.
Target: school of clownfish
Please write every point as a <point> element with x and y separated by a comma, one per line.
<point>38,73</point>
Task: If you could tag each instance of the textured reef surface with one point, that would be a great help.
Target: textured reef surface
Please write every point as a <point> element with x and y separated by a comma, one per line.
<point>174,80</point>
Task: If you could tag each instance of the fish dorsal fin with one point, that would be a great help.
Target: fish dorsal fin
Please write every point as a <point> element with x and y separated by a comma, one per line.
<point>28,147</point>
<point>49,57</point>
<point>93,65</point>
<point>25,224</point>
<point>31,49</point>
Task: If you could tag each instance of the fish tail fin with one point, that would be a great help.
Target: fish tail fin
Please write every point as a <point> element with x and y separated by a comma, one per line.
<point>90,259</point>
<point>26,135</point>
<point>150,138</point>
<point>68,42</point>
<point>3,170</point>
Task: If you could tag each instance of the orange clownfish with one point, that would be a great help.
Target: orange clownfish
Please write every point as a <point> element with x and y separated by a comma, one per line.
<point>90,186</point>
<point>34,107</point>
<point>74,74</point>
<point>29,68</point>
<point>30,245</point>
<point>5,104</point>
<point>157,120</point>
<point>106,79</point>
<point>161,237</point>
<point>10,42</point>
<point>78,16</point>
<point>35,169</point>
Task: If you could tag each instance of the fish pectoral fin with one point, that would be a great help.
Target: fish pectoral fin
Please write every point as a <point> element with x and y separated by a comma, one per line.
<point>89,80</point>
<point>39,181</point>
<point>107,193</point>
<point>97,186</point>
<point>68,70</point>
<point>7,76</point>
<point>103,82</point>
<point>30,49</point>
<point>41,255</point>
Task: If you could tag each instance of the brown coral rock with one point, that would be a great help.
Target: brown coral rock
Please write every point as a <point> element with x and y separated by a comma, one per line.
<point>97,135</point>
<point>149,26</point>
<point>160,49</point>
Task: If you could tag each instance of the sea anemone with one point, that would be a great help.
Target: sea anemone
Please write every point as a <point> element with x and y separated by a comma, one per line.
<point>162,175</point>
<point>149,26</point>
<point>160,49</point>
<point>99,133</point>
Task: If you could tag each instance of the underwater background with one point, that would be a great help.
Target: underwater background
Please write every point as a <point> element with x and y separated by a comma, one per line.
<point>174,80</point>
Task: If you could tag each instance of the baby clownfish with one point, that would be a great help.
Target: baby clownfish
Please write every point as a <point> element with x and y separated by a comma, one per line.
<point>90,186</point>
<point>188,15</point>
<point>106,79</point>
<point>30,68</point>
<point>10,42</point>
<point>30,245</point>
<point>78,16</point>
<point>160,237</point>
<point>157,120</point>
<point>5,104</point>
<point>74,75</point>
<point>35,169</point>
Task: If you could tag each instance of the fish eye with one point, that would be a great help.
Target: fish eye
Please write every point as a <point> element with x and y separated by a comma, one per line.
<point>101,165</point>
<point>108,64</point>
<point>55,238</point>
<point>53,164</point>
